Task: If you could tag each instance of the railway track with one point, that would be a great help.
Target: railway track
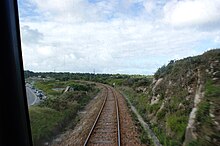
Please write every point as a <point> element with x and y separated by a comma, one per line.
<point>106,128</point>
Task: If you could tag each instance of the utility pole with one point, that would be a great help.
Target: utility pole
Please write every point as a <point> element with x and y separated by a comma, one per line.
<point>94,71</point>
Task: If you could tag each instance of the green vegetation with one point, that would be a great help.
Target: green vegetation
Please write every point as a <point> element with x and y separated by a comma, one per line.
<point>144,137</point>
<point>59,110</point>
<point>164,140</point>
<point>43,121</point>
<point>176,123</point>
<point>207,130</point>
<point>165,106</point>
<point>67,104</point>
<point>49,86</point>
<point>175,94</point>
<point>138,100</point>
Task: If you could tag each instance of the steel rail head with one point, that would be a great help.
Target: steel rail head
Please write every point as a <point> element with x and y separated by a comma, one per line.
<point>118,119</point>
<point>93,127</point>
<point>117,115</point>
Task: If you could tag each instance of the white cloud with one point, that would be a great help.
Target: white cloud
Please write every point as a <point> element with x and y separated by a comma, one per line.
<point>46,51</point>
<point>31,36</point>
<point>72,11</point>
<point>76,36</point>
<point>217,39</point>
<point>149,5</point>
<point>195,13</point>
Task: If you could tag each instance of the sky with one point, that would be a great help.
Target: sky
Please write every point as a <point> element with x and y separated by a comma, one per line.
<point>115,36</point>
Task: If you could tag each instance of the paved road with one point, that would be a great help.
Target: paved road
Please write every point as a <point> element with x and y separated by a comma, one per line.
<point>31,97</point>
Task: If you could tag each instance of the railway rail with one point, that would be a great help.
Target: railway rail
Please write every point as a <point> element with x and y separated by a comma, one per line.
<point>106,128</point>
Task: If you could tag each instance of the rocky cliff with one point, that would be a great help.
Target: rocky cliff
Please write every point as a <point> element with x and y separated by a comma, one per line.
<point>183,102</point>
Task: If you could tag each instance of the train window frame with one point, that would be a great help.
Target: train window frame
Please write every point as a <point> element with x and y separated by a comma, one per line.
<point>15,122</point>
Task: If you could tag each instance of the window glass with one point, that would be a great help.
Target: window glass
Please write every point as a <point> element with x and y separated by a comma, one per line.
<point>150,50</point>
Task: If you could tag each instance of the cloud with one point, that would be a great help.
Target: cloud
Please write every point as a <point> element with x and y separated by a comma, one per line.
<point>196,13</point>
<point>217,39</point>
<point>75,10</point>
<point>80,36</point>
<point>46,51</point>
<point>31,36</point>
<point>149,5</point>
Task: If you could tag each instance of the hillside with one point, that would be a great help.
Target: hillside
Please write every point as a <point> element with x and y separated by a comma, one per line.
<point>60,110</point>
<point>182,104</point>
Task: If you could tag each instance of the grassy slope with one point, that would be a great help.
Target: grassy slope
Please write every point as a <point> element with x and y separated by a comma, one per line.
<point>58,111</point>
<point>43,121</point>
<point>208,134</point>
<point>169,123</point>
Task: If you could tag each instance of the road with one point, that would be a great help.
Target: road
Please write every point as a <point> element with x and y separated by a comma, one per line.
<point>31,97</point>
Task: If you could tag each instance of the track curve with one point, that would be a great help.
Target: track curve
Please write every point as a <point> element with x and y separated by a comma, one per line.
<point>106,128</point>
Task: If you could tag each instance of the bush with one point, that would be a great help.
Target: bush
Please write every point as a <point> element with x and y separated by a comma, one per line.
<point>154,108</point>
<point>161,114</point>
<point>177,125</point>
<point>54,114</point>
<point>44,121</point>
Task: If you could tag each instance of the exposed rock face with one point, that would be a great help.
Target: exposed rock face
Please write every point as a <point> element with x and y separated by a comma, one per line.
<point>155,98</point>
<point>190,90</point>
<point>176,95</point>
<point>157,82</point>
<point>190,130</point>
<point>141,89</point>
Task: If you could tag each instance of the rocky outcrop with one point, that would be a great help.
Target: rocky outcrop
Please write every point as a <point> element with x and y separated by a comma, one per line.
<point>190,129</point>
<point>177,104</point>
<point>157,82</point>
<point>155,98</point>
